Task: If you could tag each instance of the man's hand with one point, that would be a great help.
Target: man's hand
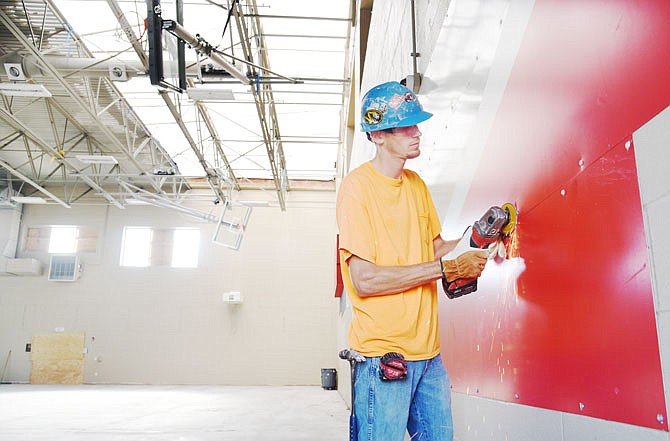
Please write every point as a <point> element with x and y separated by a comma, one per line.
<point>471,264</point>
<point>468,265</point>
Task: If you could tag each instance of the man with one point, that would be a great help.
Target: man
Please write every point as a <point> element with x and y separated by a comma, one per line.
<point>390,250</point>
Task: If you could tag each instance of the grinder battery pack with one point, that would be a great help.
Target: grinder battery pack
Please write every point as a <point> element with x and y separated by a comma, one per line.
<point>496,223</point>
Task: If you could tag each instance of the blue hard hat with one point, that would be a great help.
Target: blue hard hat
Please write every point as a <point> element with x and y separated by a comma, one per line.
<point>390,105</point>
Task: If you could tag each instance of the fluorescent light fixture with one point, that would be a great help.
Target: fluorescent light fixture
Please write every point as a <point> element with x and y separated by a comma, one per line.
<point>97,159</point>
<point>29,200</point>
<point>24,89</point>
<point>134,201</point>
<point>254,203</point>
<point>210,94</point>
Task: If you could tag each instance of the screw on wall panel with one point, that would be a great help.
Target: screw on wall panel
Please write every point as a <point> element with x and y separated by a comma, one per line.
<point>627,145</point>
<point>581,163</point>
<point>562,191</point>
<point>660,418</point>
<point>516,396</point>
<point>581,406</point>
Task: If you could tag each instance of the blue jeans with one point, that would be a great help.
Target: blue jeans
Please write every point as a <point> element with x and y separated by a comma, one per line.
<point>420,404</point>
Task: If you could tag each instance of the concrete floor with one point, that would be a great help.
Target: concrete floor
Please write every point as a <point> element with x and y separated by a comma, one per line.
<point>170,413</point>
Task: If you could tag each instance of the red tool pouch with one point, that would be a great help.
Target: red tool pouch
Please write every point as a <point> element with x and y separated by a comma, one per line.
<point>392,367</point>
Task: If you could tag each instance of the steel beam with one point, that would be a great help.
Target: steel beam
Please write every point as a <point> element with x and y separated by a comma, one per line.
<point>197,43</point>
<point>182,33</point>
<point>27,180</point>
<point>7,22</point>
<point>204,113</point>
<point>130,33</point>
<point>28,133</point>
<point>267,120</point>
<point>158,201</point>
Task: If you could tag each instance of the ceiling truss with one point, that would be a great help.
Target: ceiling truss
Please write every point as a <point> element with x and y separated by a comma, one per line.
<point>42,138</point>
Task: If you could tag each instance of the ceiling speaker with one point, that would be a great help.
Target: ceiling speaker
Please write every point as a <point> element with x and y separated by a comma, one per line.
<point>118,72</point>
<point>15,72</point>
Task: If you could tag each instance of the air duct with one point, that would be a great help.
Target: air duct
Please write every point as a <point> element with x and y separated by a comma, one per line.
<point>91,67</point>
<point>9,264</point>
<point>6,194</point>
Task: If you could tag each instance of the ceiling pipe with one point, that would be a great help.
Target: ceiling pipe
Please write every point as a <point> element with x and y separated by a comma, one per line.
<point>200,45</point>
<point>89,67</point>
<point>414,81</point>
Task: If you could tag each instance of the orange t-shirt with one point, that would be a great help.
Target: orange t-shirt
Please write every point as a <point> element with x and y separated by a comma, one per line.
<point>389,222</point>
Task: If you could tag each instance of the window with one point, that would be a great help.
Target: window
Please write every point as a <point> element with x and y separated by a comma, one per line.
<point>61,239</point>
<point>146,246</point>
<point>136,247</point>
<point>185,248</point>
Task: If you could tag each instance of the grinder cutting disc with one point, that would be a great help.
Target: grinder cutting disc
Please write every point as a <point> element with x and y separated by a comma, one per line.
<point>512,216</point>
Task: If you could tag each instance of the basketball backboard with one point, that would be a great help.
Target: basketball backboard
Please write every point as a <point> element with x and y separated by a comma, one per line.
<point>167,67</point>
<point>232,225</point>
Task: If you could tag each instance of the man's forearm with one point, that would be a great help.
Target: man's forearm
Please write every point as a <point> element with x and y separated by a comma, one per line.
<point>374,280</point>
<point>370,279</point>
<point>442,247</point>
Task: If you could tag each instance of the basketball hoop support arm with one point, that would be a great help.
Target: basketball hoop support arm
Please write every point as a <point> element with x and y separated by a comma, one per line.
<point>199,44</point>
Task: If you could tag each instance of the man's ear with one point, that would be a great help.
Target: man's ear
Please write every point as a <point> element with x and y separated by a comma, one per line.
<point>376,136</point>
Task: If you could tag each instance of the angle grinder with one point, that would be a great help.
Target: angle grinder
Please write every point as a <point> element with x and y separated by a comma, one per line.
<point>495,224</point>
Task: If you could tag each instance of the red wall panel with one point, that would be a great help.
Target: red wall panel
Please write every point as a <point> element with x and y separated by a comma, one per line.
<point>568,323</point>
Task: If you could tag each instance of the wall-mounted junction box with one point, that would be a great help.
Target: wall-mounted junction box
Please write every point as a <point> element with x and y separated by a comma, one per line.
<point>232,297</point>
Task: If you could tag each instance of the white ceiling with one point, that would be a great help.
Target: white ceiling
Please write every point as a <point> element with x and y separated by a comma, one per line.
<point>309,113</point>
<point>299,50</point>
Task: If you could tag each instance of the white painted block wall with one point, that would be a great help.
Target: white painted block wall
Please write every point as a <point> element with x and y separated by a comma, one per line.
<point>159,325</point>
<point>651,143</point>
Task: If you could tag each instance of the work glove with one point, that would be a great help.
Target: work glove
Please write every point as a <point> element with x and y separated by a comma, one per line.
<point>464,261</point>
<point>498,250</point>
<point>468,265</point>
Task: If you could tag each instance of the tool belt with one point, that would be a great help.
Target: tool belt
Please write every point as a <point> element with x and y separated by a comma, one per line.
<point>393,367</point>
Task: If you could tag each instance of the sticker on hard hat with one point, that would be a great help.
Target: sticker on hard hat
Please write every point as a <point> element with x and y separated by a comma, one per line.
<point>397,100</point>
<point>373,116</point>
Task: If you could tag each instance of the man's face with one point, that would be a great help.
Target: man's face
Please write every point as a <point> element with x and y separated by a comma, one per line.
<point>401,142</point>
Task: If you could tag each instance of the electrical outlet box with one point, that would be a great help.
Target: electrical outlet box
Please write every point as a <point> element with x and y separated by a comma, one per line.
<point>232,297</point>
